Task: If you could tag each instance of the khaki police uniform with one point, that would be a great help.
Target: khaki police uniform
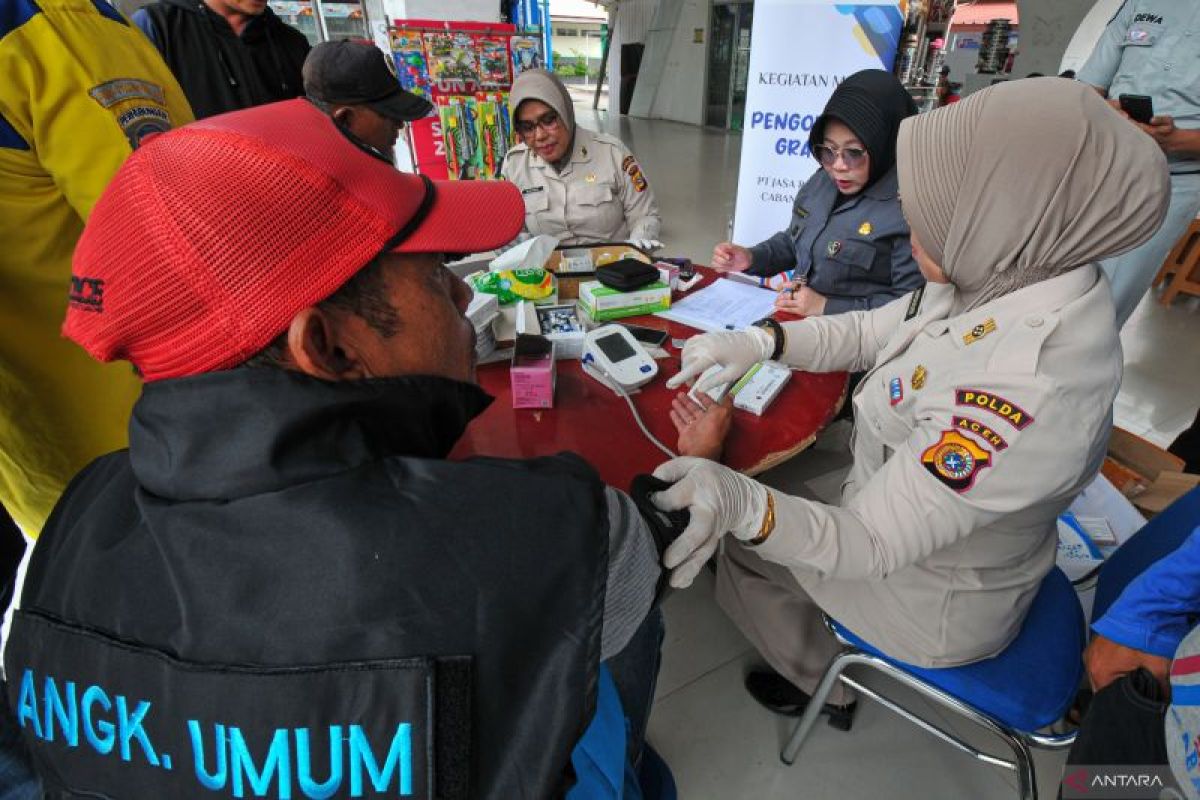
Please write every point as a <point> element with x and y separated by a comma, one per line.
<point>601,195</point>
<point>974,432</point>
<point>1152,47</point>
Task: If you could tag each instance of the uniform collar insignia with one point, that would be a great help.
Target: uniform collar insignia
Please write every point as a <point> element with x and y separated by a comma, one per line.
<point>979,331</point>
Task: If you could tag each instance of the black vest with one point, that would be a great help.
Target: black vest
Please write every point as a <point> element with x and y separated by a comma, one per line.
<point>283,588</point>
<point>220,71</point>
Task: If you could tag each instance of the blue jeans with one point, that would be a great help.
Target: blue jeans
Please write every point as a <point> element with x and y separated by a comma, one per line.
<point>17,780</point>
<point>635,672</point>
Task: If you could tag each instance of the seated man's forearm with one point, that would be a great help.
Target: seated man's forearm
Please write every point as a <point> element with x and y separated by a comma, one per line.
<point>1185,143</point>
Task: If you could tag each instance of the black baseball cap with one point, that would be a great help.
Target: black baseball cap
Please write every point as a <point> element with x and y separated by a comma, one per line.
<point>357,73</point>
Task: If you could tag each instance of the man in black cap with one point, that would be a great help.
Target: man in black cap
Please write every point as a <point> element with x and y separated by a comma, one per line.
<point>352,83</point>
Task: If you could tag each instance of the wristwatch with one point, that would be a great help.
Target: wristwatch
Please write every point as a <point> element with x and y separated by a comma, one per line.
<point>771,324</point>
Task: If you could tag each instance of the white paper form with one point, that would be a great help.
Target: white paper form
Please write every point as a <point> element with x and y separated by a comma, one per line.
<point>724,305</point>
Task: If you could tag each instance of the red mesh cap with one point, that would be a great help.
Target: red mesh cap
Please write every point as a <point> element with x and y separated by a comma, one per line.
<point>211,237</point>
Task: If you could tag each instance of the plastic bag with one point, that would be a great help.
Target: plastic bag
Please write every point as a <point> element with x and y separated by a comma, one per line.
<point>512,285</point>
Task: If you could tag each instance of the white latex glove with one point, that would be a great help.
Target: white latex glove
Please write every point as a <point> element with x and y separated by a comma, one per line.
<point>719,500</point>
<point>736,351</point>
<point>646,245</point>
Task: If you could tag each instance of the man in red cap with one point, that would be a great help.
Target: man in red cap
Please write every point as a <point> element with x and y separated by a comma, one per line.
<point>283,586</point>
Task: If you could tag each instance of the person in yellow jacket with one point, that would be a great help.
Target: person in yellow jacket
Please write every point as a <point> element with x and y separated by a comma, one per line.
<point>81,89</point>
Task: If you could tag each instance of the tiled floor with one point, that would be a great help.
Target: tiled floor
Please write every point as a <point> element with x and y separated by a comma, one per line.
<point>719,743</point>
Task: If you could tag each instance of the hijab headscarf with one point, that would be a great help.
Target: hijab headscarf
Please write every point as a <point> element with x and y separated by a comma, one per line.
<point>1024,181</point>
<point>872,103</point>
<point>540,84</point>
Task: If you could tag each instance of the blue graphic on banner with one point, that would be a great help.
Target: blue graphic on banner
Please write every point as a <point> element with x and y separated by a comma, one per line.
<point>878,30</point>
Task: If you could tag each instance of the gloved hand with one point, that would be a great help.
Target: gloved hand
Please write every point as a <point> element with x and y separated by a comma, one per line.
<point>736,351</point>
<point>646,245</point>
<point>719,501</point>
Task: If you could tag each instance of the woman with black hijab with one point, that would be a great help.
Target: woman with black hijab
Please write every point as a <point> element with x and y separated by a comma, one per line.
<point>847,241</point>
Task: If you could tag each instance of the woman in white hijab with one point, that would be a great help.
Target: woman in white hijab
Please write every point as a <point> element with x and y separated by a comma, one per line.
<point>986,406</point>
<point>579,186</point>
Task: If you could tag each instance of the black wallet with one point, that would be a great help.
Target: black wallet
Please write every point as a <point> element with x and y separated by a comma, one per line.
<point>627,274</point>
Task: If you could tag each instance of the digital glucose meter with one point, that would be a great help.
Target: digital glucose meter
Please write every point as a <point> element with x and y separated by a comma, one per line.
<point>612,350</point>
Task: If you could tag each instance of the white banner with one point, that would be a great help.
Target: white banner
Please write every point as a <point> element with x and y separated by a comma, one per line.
<point>800,51</point>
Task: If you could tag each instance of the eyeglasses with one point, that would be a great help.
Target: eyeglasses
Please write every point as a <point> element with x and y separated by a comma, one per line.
<point>546,122</point>
<point>851,156</point>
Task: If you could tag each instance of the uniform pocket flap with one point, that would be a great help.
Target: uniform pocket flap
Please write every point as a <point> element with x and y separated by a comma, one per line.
<point>592,195</point>
<point>536,199</point>
<point>854,252</point>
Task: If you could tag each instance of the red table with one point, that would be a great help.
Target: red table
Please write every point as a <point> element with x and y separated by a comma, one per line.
<point>591,420</point>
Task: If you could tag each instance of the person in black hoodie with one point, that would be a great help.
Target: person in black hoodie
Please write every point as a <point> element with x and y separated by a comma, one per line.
<point>284,581</point>
<point>226,54</point>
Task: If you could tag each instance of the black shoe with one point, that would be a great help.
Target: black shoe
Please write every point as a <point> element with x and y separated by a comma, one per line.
<point>778,694</point>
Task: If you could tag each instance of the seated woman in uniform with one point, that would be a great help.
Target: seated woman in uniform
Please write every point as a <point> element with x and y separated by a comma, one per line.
<point>847,241</point>
<point>579,186</point>
<point>986,406</point>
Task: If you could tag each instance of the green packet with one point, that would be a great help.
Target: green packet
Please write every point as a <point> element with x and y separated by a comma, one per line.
<point>516,284</point>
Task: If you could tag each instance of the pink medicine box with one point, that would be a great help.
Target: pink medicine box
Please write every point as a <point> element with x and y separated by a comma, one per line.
<point>532,373</point>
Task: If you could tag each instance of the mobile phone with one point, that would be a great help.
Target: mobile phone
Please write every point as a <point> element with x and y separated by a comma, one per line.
<point>1139,107</point>
<point>651,337</point>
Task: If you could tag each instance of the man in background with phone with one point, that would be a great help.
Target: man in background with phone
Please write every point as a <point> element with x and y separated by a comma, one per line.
<point>1149,49</point>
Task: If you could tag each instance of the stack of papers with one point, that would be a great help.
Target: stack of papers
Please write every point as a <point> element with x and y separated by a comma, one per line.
<point>723,306</point>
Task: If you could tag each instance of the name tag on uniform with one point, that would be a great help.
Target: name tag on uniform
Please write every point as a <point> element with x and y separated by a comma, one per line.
<point>914,308</point>
<point>533,190</point>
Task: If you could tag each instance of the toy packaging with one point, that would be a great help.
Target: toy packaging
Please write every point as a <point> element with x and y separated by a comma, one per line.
<point>526,53</point>
<point>408,51</point>
<point>453,62</point>
<point>493,62</point>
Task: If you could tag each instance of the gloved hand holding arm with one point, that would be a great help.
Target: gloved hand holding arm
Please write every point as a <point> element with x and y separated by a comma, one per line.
<point>719,501</point>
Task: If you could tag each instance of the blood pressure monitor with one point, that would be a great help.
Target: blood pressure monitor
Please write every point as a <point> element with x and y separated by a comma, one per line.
<point>612,350</point>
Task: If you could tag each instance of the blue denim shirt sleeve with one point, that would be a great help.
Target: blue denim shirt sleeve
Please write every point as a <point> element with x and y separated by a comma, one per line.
<point>1102,65</point>
<point>1155,611</point>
